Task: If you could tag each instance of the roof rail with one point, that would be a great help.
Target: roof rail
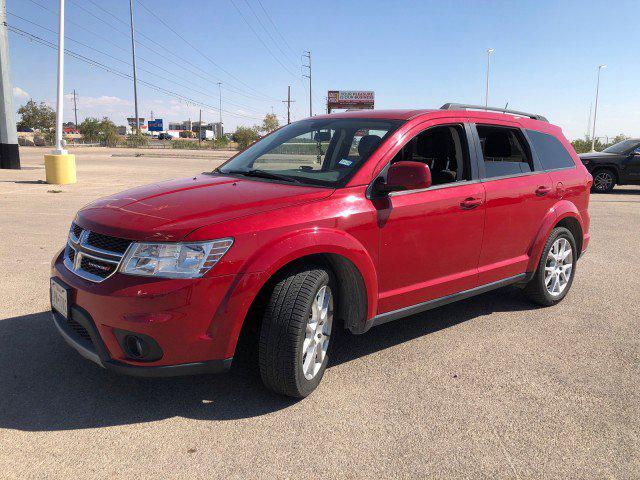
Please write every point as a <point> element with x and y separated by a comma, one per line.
<point>463,106</point>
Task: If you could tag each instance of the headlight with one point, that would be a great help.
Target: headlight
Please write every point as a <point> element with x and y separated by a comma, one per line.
<point>174,260</point>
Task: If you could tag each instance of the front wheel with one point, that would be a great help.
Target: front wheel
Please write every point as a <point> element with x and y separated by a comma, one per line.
<point>556,269</point>
<point>296,330</point>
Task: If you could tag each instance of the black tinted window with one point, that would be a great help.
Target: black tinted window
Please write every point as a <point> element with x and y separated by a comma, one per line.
<point>504,151</point>
<point>551,152</point>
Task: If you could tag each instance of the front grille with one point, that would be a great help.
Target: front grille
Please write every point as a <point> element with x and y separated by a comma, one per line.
<point>79,329</point>
<point>93,256</point>
<point>105,242</point>
<point>97,267</point>
<point>76,230</point>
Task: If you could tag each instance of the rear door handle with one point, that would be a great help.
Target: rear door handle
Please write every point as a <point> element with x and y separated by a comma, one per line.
<point>542,190</point>
<point>470,203</point>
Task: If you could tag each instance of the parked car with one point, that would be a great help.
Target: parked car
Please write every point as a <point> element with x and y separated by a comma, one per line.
<point>164,136</point>
<point>306,231</point>
<point>618,164</point>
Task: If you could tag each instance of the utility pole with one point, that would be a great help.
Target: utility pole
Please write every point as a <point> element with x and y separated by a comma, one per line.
<point>200,129</point>
<point>307,54</point>
<point>9,154</point>
<point>75,109</point>
<point>595,110</point>
<point>288,101</point>
<point>486,95</point>
<point>220,95</point>
<point>135,78</point>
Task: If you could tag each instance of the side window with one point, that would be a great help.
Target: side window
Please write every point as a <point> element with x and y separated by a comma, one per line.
<point>444,149</point>
<point>505,151</point>
<point>550,150</point>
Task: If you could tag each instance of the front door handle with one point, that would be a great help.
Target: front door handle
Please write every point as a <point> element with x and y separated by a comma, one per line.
<point>542,190</point>
<point>470,203</point>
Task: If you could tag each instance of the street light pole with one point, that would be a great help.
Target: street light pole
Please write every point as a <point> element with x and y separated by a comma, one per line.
<point>486,95</point>
<point>135,79</point>
<point>59,150</point>
<point>595,110</point>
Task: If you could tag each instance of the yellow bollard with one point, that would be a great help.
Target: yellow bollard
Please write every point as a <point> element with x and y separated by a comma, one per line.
<point>60,169</point>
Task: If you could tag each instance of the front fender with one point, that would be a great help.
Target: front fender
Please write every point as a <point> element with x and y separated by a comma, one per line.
<point>557,213</point>
<point>317,240</point>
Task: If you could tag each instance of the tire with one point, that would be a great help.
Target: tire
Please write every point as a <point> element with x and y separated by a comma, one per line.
<point>294,336</point>
<point>537,289</point>
<point>604,179</point>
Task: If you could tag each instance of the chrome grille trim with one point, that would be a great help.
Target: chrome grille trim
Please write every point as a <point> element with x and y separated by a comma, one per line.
<point>81,249</point>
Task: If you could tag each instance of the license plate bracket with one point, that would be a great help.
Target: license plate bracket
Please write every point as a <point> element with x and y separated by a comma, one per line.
<point>60,295</point>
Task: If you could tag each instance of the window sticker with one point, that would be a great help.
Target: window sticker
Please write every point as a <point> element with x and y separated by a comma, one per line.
<point>345,162</point>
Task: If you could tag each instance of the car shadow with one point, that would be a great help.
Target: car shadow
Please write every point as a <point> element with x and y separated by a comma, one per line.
<point>47,386</point>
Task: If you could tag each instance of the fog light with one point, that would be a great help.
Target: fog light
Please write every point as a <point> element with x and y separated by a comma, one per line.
<point>137,346</point>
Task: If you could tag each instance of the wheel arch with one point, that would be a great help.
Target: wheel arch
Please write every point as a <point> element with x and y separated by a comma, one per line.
<point>563,214</point>
<point>346,258</point>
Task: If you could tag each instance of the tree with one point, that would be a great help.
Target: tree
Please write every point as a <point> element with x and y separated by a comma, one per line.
<point>245,136</point>
<point>90,129</point>
<point>95,130</point>
<point>270,123</point>
<point>37,116</point>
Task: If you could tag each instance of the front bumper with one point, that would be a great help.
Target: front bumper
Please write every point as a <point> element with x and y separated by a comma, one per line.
<point>195,322</point>
<point>96,351</point>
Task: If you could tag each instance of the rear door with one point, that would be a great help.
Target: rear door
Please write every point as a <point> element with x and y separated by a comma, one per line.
<point>430,238</point>
<point>519,193</point>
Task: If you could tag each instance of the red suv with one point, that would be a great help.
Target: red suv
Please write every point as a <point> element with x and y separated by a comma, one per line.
<point>358,218</point>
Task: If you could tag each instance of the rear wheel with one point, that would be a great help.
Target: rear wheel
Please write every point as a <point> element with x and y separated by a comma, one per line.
<point>604,180</point>
<point>556,268</point>
<point>296,330</point>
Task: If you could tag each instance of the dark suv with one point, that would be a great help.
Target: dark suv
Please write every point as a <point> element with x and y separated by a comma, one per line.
<point>618,164</point>
<point>352,220</point>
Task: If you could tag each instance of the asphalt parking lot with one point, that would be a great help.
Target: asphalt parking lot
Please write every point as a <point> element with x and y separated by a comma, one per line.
<point>491,387</point>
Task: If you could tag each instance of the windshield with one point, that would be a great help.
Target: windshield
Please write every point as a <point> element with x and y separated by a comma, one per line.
<point>324,152</point>
<point>622,147</point>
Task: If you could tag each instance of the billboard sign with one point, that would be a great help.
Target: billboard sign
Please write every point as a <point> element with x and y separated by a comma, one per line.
<point>155,125</point>
<point>132,121</point>
<point>350,99</point>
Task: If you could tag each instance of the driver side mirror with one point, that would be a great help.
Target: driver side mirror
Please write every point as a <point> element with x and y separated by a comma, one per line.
<point>404,176</point>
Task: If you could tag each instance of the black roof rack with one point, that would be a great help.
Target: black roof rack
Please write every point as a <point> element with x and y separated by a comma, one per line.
<point>463,106</point>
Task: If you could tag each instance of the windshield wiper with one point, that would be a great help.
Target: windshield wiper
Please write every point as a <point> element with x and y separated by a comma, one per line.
<point>263,174</point>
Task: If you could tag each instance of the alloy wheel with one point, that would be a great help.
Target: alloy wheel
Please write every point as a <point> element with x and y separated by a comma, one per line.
<point>558,267</point>
<point>317,333</point>
<point>603,181</point>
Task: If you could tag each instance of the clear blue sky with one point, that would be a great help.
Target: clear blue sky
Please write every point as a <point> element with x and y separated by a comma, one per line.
<point>411,53</point>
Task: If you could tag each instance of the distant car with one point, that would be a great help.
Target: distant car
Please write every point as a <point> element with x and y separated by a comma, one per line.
<point>25,129</point>
<point>618,164</point>
<point>164,136</point>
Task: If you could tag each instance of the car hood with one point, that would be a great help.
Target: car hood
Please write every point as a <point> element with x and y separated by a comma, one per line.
<point>599,156</point>
<point>168,211</point>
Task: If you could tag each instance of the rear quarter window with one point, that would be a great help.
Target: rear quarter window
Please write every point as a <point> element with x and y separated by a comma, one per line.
<point>550,150</point>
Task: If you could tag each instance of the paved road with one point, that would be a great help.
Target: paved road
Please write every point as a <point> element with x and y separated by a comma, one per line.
<point>488,388</point>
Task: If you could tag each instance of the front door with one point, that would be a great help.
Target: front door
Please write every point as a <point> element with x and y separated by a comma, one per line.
<point>430,239</point>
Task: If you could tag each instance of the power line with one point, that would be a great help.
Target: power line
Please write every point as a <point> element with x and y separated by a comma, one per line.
<point>139,57</point>
<point>113,71</point>
<point>277,44</point>
<point>199,50</point>
<point>108,55</point>
<point>164,51</point>
<point>260,38</point>
<point>276,29</point>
